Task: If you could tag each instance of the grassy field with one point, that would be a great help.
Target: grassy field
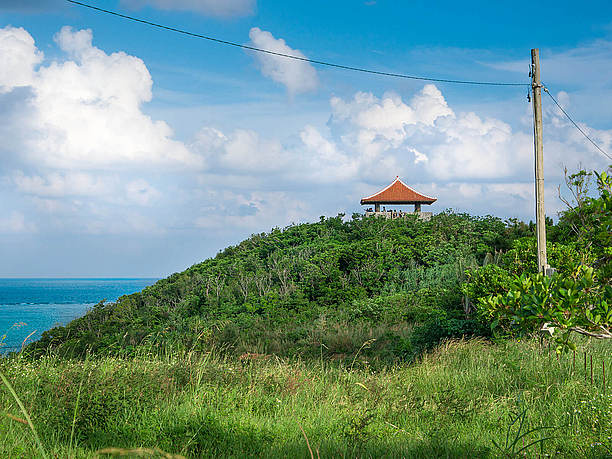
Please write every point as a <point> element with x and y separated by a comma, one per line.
<point>457,401</point>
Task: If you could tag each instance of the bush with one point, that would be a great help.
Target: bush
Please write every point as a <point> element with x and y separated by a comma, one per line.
<point>441,327</point>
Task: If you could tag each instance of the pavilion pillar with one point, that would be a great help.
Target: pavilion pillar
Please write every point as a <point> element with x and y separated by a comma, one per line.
<point>376,207</point>
<point>417,208</point>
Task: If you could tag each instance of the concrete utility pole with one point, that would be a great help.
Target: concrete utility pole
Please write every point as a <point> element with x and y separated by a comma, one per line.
<point>539,160</point>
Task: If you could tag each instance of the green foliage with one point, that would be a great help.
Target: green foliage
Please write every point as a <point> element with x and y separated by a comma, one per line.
<point>516,300</point>
<point>589,222</point>
<point>563,303</point>
<point>440,326</point>
<point>452,276</point>
<point>395,308</point>
<point>522,257</point>
<point>365,270</point>
<point>485,281</point>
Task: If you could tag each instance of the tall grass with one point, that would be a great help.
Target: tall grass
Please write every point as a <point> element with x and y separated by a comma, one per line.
<point>453,402</point>
<point>17,400</point>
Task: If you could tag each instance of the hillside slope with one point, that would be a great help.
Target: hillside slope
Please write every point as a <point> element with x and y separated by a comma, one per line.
<point>275,291</point>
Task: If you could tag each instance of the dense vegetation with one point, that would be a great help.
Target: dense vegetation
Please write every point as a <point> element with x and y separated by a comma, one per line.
<point>577,299</point>
<point>332,339</point>
<point>402,285</point>
<point>324,287</point>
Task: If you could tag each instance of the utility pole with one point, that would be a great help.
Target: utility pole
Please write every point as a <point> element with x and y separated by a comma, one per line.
<point>539,160</point>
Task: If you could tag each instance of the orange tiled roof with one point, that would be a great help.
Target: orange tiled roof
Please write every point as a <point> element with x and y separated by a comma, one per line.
<point>398,193</point>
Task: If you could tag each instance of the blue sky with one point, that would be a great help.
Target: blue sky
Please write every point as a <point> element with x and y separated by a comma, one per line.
<point>131,151</point>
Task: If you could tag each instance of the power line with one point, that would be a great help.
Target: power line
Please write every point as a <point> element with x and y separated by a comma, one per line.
<point>574,123</point>
<point>290,56</point>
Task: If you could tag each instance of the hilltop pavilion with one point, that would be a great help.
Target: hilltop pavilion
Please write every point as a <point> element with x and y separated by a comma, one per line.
<point>397,193</point>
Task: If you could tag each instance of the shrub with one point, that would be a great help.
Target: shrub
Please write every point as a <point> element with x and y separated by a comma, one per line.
<point>440,327</point>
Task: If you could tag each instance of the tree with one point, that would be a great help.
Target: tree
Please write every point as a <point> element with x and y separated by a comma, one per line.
<point>579,297</point>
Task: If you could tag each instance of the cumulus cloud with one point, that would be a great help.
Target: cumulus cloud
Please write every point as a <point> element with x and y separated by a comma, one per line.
<point>19,57</point>
<point>77,145</point>
<point>246,159</point>
<point>220,8</point>
<point>369,139</point>
<point>424,136</point>
<point>85,112</point>
<point>297,76</point>
<point>242,151</point>
<point>80,154</point>
<point>322,160</point>
<point>427,133</point>
<point>418,156</point>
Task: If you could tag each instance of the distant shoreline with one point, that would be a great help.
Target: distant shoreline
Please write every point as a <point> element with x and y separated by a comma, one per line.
<point>80,278</point>
<point>38,304</point>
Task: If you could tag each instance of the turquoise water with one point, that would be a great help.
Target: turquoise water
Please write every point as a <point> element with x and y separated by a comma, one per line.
<point>35,305</point>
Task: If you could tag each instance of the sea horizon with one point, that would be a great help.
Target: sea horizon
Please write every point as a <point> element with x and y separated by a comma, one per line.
<point>31,305</point>
<point>79,278</point>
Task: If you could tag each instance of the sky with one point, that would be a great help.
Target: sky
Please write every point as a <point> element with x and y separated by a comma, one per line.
<point>130,151</point>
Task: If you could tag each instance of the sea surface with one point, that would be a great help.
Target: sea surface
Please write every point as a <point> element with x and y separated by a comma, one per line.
<point>31,306</point>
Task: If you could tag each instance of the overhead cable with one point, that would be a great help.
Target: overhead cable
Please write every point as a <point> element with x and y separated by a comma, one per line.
<point>290,56</point>
<point>574,123</point>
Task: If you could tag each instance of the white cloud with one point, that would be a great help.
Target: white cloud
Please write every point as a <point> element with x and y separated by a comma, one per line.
<point>322,161</point>
<point>429,105</point>
<point>471,147</point>
<point>246,159</point>
<point>389,115</point>
<point>374,139</point>
<point>85,112</point>
<point>77,44</point>
<point>221,8</point>
<point>57,185</point>
<point>470,190</point>
<point>85,158</point>
<point>242,151</point>
<point>386,132</point>
<point>19,58</point>
<point>418,156</point>
<point>297,76</point>
<point>78,141</point>
<point>370,140</point>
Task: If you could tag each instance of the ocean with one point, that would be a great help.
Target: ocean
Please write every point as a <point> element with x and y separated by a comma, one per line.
<point>31,306</point>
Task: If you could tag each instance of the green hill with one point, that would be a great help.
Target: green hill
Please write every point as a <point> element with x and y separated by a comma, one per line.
<point>307,289</point>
